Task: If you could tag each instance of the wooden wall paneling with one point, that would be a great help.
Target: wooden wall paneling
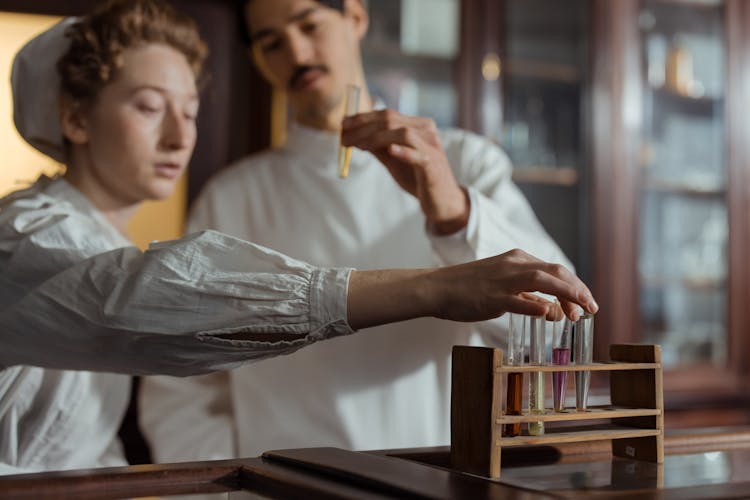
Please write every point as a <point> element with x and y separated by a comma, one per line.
<point>738,187</point>
<point>479,101</point>
<point>615,106</point>
<point>235,107</point>
<point>49,7</point>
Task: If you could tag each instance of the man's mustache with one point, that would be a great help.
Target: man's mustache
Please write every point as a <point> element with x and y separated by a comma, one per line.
<point>300,72</point>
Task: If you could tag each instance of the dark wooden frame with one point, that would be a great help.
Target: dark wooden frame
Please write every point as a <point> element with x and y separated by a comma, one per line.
<point>480,35</point>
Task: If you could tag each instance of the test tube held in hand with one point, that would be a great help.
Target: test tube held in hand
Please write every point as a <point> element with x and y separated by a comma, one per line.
<point>561,356</point>
<point>514,392</point>
<point>583,352</point>
<point>536,379</point>
<point>351,106</point>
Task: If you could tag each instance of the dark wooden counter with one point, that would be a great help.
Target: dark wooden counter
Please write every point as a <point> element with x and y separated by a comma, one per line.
<point>705,463</point>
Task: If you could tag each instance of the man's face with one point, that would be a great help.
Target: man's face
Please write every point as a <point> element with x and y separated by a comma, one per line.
<point>309,50</point>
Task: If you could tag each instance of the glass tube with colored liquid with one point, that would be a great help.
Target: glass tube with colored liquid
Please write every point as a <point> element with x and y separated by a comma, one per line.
<point>561,356</point>
<point>536,379</point>
<point>514,391</point>
<point>583,352</point>
<point>351,106</point>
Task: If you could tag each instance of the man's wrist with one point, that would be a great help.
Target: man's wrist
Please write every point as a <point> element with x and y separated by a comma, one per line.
<point>451,225</point>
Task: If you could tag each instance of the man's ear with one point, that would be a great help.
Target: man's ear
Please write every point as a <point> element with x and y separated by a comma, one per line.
<point>356,10</point>
<point>72,121</point>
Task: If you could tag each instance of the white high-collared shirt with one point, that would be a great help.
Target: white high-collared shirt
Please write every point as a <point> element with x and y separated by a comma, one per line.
<point>389,390</point>
<point>76,295</point>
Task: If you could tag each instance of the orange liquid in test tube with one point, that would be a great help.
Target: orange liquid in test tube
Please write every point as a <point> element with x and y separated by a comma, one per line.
<point>351,106</point>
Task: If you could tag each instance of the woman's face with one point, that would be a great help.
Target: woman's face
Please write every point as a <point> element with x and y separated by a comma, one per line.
<point>136,139</point>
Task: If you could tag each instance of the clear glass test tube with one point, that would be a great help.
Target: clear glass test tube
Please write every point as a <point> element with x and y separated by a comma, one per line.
<point>583,352</point>
<point>514,387</point>
<point>536,379</point>
<point>351,106</point>
<point>561,340</point>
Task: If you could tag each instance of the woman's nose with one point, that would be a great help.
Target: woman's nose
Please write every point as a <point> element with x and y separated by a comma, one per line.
<point>178,131</point>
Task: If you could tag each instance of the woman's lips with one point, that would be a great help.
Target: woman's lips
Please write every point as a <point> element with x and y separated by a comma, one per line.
<point>168,170</point>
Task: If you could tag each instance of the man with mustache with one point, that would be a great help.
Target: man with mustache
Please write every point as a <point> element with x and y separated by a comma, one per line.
<point>414,197</point>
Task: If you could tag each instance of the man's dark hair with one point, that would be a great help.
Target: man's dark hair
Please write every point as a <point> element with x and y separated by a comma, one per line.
<point>243,21</point>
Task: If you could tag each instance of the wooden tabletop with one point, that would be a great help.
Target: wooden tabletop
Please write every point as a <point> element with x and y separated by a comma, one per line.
<point>705,463</point>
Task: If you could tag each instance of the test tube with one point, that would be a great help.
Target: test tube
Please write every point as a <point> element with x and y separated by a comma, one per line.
<point>561,356</point>
<point>351,106</point>
<point>536,379</point>
<point>514,392</point>
<point>583,351</point>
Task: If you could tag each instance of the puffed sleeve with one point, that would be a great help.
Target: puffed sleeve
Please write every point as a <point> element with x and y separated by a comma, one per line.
<point>501,218</point>
<point>70,301</point>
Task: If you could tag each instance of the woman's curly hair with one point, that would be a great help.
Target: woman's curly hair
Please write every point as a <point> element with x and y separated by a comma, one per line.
<point>99,39</point>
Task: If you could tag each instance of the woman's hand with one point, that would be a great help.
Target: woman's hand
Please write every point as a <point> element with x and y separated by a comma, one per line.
<point>490,287</point>
<point>475,291</point>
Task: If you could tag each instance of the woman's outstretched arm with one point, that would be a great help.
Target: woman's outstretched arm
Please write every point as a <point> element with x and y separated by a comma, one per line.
<point>474,291</point>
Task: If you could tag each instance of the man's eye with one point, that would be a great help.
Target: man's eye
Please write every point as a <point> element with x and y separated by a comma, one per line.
<point>309,27</point>
<point>270,46</point>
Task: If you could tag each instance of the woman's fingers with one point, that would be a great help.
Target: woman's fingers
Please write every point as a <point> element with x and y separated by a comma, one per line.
<point>534,275</point>
<point>528,304</point>
<point>554,279</point>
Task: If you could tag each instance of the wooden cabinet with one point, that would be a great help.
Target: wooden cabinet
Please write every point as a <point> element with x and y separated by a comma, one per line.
<point>670,191</point>
<point>625,122</point>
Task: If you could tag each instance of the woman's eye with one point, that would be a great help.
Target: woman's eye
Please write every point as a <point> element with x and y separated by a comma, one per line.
<point>148,108</point>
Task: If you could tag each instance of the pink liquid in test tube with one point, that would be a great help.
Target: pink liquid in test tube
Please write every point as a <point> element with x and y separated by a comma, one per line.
<point>560,356</point>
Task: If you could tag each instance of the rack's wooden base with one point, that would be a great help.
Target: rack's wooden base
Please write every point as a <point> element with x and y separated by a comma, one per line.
<point>636,413</point>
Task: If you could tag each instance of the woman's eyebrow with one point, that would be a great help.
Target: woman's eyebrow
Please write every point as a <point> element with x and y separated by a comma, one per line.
<point>162,90</point>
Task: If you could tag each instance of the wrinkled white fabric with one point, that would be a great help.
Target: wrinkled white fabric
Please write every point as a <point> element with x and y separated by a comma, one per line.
<point>76,295</point>
<point>388,390</point>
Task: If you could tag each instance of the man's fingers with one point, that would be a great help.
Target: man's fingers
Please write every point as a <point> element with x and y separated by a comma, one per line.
<point>408,155</point>
<point>388,118</point>
<point>377,140</point>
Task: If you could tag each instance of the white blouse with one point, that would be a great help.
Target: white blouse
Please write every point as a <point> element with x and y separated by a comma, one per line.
<point>76,295</point>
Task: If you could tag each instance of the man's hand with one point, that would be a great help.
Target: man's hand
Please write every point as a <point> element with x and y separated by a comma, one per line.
<point>410,148</point>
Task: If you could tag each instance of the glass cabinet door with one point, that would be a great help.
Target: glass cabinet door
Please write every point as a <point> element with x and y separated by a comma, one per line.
<point>683,226</point>
<point>546,57</point>
<point>410,55</point>
<point>526,65</point>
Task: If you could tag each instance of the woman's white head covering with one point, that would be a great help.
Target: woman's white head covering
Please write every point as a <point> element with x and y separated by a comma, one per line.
<point>35,83</point>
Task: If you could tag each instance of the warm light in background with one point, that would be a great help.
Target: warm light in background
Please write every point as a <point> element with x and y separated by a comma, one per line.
<point>21,163</point>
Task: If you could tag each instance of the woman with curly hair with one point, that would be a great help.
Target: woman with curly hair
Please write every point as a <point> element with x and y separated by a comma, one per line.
<point>114,96</point>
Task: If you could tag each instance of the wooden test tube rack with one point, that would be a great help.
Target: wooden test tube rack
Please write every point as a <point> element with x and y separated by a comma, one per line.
<point>636,411</point>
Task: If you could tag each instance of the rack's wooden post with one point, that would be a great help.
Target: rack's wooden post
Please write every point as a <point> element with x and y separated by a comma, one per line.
<point>476,402</point>
<point>638,389</point>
